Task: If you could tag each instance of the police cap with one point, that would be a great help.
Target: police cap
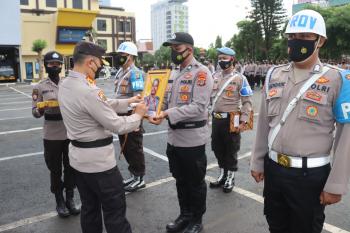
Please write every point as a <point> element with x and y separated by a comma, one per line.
<point>89,48</point>
<point>53,56</point>
<point>180,38</point>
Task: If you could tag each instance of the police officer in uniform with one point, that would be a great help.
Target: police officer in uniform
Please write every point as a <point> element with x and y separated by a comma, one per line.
<point>90,119</point>
<point>55,135</point>
<point>231,90</point>
<point>130,83</point>
<point>301,103</point>
<point>185,107</point>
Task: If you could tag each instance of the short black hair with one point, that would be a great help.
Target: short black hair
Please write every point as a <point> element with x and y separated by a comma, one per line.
<point>78,58</point>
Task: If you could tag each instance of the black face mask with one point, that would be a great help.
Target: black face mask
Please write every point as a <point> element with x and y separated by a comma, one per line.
<point>53,73</point>
<point>177,57</point>
<point>225,64</point>
<point>300,50</point>
<point>121,60</point>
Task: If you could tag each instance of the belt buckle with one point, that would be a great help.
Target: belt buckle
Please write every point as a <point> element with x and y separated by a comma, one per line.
<point>283,160</point>
<point>217,116</point>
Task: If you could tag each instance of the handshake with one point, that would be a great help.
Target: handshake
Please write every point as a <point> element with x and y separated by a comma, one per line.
<point>141,109</point>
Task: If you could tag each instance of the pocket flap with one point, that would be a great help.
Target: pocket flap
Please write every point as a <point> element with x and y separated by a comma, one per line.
<point>315,97</point>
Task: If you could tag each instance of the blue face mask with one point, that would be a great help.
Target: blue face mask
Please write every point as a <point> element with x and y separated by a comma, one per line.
<point>300,50</point>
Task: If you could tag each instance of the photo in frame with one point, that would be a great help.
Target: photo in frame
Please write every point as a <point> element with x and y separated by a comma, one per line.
<point>153,94</point>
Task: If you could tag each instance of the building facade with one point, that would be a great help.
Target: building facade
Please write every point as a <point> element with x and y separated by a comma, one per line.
<point>63,23</point>
<point>168,17</point>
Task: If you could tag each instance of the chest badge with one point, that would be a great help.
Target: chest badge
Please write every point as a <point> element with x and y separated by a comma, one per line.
<point>312,111</point>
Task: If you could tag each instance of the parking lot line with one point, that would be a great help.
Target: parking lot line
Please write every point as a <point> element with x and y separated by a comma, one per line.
<point>14,118</point>
<point>21,156</point>
<point>12,98</point>
<point>21,92</point>
<point>14,109</point>
<point>20,131</point>
<point>155,154</point>
<point>17,102</point>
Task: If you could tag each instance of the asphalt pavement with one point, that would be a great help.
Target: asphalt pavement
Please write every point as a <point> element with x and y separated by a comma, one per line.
<point>26,204</point>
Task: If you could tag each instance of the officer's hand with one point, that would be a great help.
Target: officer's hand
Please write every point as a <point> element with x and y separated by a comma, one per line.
<point>141,109</point>
<point>258,176</point>
<point>329,198</point>
<point>135,99</point>
<point>155,120</point>
<point>242,126</point>
<point>162,115</point>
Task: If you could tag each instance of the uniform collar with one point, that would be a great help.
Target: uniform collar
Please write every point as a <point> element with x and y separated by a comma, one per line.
<point>75,74</point>
<point>317,68</point>
<point>193,63</point>
<point>48,80</point>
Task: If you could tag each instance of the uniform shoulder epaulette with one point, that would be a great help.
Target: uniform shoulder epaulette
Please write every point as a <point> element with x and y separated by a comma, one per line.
<point>335,67</point>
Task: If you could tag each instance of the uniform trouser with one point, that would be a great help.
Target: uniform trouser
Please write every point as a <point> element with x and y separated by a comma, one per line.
<point>263,80</point>
<point>56,154</point>
<point>133,152</point>
<point>251,81</point>
<point>102,190</point>
<point>257,80</point>
<point>188,166</point>
<point>292,198</point>
<point>225,144</point>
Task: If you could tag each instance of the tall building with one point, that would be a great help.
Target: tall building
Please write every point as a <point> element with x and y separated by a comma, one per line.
<point>63,23</point>
<point>323,3</point>
<point>168,17</point>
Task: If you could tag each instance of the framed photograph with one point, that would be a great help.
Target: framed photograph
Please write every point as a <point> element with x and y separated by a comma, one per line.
<point>153,94</point>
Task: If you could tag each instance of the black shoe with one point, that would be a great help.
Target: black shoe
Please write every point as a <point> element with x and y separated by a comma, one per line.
<point>70,204</point>
<point>220,181</point>
<point>61,208</point>
<point>230,182</point>
<point>136,184</point>
<point>128,181</point>
<point>179,224</point>
<point>194,228</point>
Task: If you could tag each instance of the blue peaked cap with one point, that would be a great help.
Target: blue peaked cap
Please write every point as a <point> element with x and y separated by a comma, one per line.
<point>226,51</point>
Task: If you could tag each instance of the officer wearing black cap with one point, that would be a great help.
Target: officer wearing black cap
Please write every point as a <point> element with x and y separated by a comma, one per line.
<point>45,104</point>
<point>185,107</point>
<point>91,119</point>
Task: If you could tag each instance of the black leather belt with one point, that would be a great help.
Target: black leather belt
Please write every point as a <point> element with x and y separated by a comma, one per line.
<point>188,125</point>
<point>93,144</point>
<point>53,117</point>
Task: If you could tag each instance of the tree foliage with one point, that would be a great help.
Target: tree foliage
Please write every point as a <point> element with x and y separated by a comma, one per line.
<point>269,15</point>
<point>218,42</point>
<point>162,55</point>
<point>38,46</point>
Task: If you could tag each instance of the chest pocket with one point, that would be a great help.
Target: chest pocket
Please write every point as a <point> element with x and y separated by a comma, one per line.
<point>184,94</point>
<point>274,101</point>
<point>49,95</point>
<point>314,107</point>
<point>124,86</point>
<point>231,91</point>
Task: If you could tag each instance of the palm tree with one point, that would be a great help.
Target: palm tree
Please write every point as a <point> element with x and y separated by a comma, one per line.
<point>38,47</point>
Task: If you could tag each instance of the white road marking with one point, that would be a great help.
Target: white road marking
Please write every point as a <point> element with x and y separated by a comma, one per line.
<point>20,131</point>
<point>155,154</point>
<point>14,118</point>
<point>21,156</point>
<point>17,102</point>
<point>11,98</point>
<point>13,109</point>
<point>21,92</point>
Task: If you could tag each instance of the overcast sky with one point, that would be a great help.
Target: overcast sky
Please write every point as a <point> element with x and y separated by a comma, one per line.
<point>207,18</point>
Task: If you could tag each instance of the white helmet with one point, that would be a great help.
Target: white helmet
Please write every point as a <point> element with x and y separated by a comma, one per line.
<point>127,47</point>
<point>307,21</point>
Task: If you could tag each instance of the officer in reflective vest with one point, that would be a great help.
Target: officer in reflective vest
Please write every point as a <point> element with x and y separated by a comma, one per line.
<point>294,141</point>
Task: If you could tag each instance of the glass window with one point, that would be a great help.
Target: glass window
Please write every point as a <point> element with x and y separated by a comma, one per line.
<point>127,27</point>
<point>78,4</point>
<point>51,3</point>
<point>24,2</point>
<point>101,25</point>
<point>29,70</point>
<point>121,26</point>
<point>102,43</point>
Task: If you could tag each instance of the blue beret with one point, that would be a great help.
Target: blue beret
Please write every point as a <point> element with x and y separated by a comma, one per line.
<point>226,51</point>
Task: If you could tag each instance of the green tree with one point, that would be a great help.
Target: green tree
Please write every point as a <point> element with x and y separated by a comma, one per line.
<point>211,53</point>
<point>218,42</point>
<point>148,59</point>
<point>247,43</point>
<point>38,47</point>
<point>270,15</point>
<point>163,55</point>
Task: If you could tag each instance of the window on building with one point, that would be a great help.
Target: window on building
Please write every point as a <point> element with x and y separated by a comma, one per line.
<point>127,26</point>
<point>29,70</point>
<point>25,2</point>
<point>120,41</point>
<point>102,43</point>
<point>101,25</point>
<point>78,4</point>
<point>121,26</point>
<point>51,3</point>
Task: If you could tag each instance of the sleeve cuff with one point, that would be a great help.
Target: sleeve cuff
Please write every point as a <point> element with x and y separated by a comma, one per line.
<point>335,188</point>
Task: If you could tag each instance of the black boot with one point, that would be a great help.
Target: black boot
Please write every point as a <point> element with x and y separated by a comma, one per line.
<point>136,184</point>
<point>220,181</point>
<point>194,227</point>
<point>230,182</point>
<point>71,206</point>
<point>61,206</point>
<point>180,223</point>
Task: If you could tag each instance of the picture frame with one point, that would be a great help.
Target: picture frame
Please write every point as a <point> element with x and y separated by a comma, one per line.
<point>155,87</point>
